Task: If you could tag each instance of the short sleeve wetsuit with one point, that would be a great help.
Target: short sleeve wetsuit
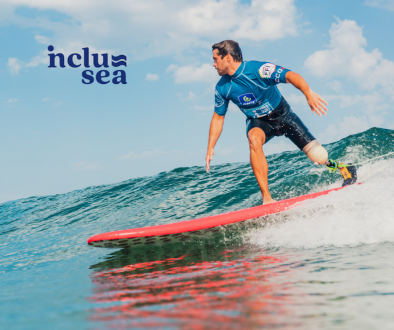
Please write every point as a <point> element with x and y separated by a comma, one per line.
<point>253,89</point>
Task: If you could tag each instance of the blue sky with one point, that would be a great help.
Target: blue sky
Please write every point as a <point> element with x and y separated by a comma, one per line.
<point>58,134</point>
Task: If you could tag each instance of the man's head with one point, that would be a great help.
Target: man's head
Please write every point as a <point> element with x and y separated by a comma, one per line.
<point>226,55</point>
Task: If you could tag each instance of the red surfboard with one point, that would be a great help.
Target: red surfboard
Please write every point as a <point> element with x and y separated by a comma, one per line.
<point>197,228</point>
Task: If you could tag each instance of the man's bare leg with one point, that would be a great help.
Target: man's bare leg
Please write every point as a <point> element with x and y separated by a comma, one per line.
<point>259,163</point>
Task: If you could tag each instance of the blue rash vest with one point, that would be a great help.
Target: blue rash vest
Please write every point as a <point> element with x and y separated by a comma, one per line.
<point>252,88</point>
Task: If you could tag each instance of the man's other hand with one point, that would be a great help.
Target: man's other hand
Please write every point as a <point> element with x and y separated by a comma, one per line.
<point>316,103</point>
<point>208,158</point>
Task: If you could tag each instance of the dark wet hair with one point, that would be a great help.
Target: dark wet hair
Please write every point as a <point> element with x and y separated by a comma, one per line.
<point>229,47</point>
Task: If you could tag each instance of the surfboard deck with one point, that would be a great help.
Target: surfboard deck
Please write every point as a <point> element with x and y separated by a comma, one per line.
<point>197,228</point>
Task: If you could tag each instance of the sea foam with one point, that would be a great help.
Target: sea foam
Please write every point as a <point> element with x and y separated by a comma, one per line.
<point>359,214</point>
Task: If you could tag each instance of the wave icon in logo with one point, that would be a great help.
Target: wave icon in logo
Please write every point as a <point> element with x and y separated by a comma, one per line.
<point>247,99</point>
<point>117,60</point>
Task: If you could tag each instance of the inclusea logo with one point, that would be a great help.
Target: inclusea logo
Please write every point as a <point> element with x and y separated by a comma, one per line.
<point>103,76</point>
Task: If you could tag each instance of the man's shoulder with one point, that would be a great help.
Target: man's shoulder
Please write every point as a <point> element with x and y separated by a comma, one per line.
<point>261,69</point>
<point>224,80</point>
<point>253,67</point>
<point>256,64</point>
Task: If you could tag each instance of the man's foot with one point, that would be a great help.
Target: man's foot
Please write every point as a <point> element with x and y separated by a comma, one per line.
<point>348,171</point>
<point>268,200</point>
<point>349,174</point>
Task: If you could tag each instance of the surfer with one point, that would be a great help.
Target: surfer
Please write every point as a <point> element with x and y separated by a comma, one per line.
<point>251,85</point>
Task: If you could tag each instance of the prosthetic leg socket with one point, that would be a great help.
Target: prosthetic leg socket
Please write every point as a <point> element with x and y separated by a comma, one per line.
<point>316,152</point>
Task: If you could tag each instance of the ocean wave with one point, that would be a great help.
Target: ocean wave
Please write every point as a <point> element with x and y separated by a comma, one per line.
<point>42,228</point>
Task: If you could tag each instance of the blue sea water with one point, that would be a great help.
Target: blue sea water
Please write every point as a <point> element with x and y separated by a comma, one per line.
<point>326,264</point>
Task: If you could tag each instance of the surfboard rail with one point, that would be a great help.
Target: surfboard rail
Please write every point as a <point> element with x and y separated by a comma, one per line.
<point>181,231</point>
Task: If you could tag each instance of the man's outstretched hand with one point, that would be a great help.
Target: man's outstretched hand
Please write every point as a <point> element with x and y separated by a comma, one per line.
<point>208,158</point>
<point>316,103</point>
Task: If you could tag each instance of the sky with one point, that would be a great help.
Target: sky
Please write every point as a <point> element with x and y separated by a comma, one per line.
<point>58,134</point>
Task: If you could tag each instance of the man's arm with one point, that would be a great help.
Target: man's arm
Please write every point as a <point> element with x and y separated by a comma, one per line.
<point>214,132</point>
<point>316,103</point>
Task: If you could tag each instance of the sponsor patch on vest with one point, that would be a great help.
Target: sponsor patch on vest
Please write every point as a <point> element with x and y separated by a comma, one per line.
<point>266,70</point>
<point>260,111</point>
<point>246,99</point>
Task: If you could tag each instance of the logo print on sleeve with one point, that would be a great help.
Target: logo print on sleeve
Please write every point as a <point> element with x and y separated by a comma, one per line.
<point>246,99</point>
<point>277,76</point>
<point>218,99</point>
<point>266,70</point>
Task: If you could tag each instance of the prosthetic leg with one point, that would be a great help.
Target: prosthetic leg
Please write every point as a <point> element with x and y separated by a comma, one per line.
<point>319,156</point>
<point>316,153</point>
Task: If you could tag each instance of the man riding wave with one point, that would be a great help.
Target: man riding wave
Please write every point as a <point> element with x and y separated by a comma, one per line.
<point>251,85</point>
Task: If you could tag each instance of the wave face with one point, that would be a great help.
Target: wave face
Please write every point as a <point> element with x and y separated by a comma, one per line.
<point>327,258</point>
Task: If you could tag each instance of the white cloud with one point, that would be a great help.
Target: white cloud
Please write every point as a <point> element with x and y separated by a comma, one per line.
<point>261,20</point>
<point>12,100</point>
<point>376,120</point>
<point>37,60</point>
<point>190,96</point>
<point>14,65</point>
<point>277,147</point>
<point>45,99</point>
<point>186,74</point>
<point>152,77</point>
<point>150,28</point>
<point>148,154</point>
<point>384,4</point>
<point>42,39</point>
<point>171,67</point>
<point>374,106</point>
<point>297,100</point>
<point>347,57</point>
<point>203,108</point>
<point>371,104</point>
<point>83,166</point>
<point>335,85</point>
<point>268,20</point>
<point>348,125</point>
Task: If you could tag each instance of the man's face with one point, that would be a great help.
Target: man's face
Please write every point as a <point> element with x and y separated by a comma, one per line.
<point>219,63</point>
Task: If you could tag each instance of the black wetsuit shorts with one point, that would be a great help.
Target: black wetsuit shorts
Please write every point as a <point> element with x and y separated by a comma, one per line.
<point>282,121</point>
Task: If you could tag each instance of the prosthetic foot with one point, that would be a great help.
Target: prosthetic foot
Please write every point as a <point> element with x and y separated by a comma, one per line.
<point>348,171</point>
